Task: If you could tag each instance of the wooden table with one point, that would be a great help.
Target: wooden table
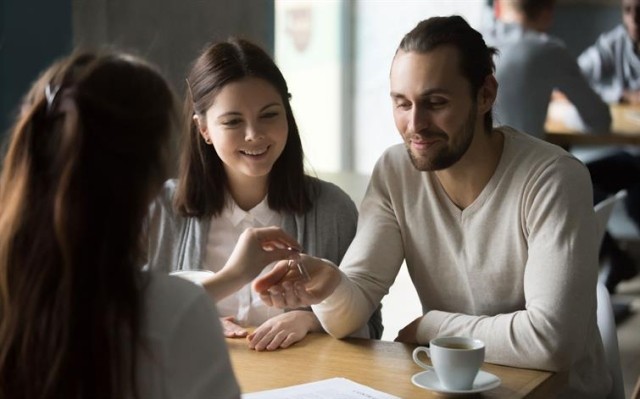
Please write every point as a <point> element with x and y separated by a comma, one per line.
<point>381,365</point>
<point>625,130</point>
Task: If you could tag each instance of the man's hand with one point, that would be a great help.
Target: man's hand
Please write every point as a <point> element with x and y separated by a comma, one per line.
<point>409,333</point>
<point>285,287</point>
<point>255,249</point>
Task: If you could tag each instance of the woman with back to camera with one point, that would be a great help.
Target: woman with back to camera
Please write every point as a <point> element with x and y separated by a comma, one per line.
<point>242,166</point>
<point>78,318</point>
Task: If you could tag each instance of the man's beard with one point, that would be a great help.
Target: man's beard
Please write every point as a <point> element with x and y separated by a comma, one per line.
<point>449,155</point>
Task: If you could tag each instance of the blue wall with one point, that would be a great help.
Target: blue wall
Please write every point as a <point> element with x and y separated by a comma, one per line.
<point>33,33</point>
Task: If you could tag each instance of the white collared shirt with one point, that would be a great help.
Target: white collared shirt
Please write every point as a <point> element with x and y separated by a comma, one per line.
<point>245,305</point>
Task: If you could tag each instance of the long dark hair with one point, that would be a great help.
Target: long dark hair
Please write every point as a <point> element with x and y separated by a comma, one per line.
<point>203,185</point>
<point>84,159</point>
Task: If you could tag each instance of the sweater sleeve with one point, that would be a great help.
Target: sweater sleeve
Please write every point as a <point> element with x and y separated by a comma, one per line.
<point>329,231</point>
<point>361,289</point>
<point>557,324</point>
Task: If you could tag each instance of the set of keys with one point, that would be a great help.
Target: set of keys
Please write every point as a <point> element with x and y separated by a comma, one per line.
<point>297,264</point>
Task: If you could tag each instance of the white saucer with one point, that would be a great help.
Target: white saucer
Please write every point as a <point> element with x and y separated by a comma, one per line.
<point>429,380</point>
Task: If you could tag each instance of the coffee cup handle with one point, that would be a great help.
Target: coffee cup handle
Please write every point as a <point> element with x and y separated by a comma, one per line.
<point>419,362</point>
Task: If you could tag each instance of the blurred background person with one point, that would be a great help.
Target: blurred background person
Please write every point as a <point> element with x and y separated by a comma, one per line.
<point>612,66</point>
<point>532,64</point>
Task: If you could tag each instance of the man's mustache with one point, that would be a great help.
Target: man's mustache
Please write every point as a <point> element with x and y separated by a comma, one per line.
<point>426,135</point>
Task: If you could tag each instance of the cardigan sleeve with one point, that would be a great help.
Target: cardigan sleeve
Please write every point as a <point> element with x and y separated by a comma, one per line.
<point>172,242</point>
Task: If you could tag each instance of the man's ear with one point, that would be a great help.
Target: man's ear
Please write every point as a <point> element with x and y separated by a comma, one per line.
<point>202,128</point>
<point>487,94</point>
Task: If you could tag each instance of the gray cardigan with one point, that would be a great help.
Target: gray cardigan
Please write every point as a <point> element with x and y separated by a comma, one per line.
<point>326,230</point>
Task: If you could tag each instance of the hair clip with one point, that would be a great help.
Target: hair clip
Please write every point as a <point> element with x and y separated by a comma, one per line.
<point>50,94</point>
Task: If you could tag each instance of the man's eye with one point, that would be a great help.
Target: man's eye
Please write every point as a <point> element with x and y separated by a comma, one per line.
<point>436,103</point>
<point>403,105</point>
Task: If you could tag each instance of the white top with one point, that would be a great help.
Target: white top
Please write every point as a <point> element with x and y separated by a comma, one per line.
<point>245,305</point>
<point>185,356</point>
<point>517,268</point>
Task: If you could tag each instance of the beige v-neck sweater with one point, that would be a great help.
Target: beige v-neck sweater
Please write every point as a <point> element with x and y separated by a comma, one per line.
<point>516,269</point>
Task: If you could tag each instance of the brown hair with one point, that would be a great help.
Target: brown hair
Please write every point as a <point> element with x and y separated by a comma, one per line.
<point>84,159</point>
<point>202,188</point>
<point>476,58</point>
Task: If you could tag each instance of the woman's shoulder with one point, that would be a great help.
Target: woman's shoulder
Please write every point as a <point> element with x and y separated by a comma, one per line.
<point>182,290</point>
<point>330,202</point>
<point>178,312</point>
<point>169,297</point>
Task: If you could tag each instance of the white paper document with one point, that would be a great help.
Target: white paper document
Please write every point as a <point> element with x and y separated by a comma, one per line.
<point>333,388</point>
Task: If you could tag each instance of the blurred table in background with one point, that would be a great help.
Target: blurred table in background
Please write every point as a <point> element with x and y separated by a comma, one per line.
<point>625,129</point>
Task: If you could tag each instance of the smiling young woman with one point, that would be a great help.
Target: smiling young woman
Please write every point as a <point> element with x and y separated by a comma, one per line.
<point>242,167</point>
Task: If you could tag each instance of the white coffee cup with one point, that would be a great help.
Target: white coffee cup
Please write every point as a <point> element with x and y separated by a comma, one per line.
<point>456,360</point>
<point>195,276</point>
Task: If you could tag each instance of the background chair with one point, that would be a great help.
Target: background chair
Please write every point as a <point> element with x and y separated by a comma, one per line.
<point>606,319</point>
<point>607,327</point>
<point>604,209</point>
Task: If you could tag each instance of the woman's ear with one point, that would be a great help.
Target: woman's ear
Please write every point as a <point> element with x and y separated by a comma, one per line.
<point>202,128</point>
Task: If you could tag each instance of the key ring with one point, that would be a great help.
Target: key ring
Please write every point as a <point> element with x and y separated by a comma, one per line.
<point>300,267</point>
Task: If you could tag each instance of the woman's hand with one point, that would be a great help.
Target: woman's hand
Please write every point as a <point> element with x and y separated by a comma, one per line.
<point>256,248</point>
<point>231,329</point>
<point>283,330</point>
<point>285,287</point>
